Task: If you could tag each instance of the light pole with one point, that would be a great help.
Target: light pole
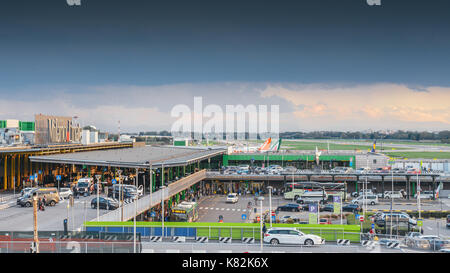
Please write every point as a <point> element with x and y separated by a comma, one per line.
<point>261,224</point>
<point>135,210</point>
<point>151,187</point>
<point>97,176</point>
<point>162,208</point>
<point>270,204</point>
<point>120,193</point>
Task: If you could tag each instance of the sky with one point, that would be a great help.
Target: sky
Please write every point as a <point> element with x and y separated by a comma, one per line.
<point>329,65</point>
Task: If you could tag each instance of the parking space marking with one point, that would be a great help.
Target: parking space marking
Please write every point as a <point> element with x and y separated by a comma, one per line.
<point>222,209</point>
<point>228,208</point>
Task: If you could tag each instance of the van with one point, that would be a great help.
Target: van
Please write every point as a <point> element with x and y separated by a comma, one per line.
<point>368,199</point>
<point>83,185</point>
<point>51,196</point>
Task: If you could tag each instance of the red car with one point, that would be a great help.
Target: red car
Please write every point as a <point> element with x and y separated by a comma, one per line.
<point>325,221</point>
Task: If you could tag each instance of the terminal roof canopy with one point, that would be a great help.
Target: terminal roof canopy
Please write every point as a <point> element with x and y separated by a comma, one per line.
<point>138,157</point>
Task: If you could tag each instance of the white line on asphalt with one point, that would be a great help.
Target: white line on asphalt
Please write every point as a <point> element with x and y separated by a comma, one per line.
<point>278,252</point>
<point>233,209</point>
<point>200,207</point>
<point>217,208</point>
<point>223,209</point>
<point>228,208</point>
<point>198,251</point>
<point>244,210</point>
<point>429,228</point>
<point>172,251</point>
<point>225,251</point>
<point>147,251</point>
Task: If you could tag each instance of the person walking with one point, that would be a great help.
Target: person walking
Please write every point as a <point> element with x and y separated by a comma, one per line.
<point>264,229</point>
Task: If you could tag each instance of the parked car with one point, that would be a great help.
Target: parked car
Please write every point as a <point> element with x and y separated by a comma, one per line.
<point>324,221</point>
<point>104,203</point>
<point>351,208</point>
<point>275,236</point>
<point>425,195</point>
<point>391,194</point>
<point>411,238</point>
<point>448,221</point>
<point>328,207</point>
<point>232,198</point>
<point>356,194</point>
<point>285,219</point>
<point>26,190</point>
<point>362,170</point>
<point>289,207</point>
<point>65,193</point>
<point>51,196</point>
<point>396,217</point>
<point>367,199</point>
<point>436,242</point>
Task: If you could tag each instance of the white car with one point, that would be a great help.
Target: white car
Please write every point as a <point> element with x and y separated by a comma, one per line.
<point>368,199</point>
<point>232,198</point>
<point>391,194</point>
<point>275,236</point>
<point>65,193</point>
<point>425,195</point>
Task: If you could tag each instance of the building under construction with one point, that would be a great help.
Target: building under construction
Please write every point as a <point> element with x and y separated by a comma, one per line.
<point>56,129</point>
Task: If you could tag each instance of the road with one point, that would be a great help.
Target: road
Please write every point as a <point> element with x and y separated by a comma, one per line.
<point>18,218</point>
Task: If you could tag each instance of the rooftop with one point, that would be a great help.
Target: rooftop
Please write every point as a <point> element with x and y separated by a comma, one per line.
<point>138,157</point>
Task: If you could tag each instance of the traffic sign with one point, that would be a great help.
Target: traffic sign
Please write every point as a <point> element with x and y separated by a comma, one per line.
<point>273,218</point>
<point>361,218</point>
<point>40,172</point>
<point>356,216</point>
<point>273,213</point>
<point>258,219</point>
<point>31,177</point>
<point>152,214</point>
<point>419,222</point>
<point>336,199</point>
<point>58,177</point>
<point>114,181</point>
<point>244,216</point>
<point>373,226</point>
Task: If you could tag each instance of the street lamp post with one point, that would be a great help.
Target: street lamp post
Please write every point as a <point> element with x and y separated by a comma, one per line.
<point>270,204</point>
<point>135,210</point>
<point>261,225</point>
<point>97,176</point>
<point>162,208</point>
<point>120,193</point>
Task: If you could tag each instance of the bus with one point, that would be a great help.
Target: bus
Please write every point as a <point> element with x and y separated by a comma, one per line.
<point>185,212</point>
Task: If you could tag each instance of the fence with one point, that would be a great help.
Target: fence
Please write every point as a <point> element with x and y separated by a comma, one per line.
<point>214,232</point>
<point>69,247</point>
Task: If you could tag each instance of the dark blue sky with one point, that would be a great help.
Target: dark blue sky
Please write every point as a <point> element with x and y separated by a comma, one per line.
<point>165,42</point>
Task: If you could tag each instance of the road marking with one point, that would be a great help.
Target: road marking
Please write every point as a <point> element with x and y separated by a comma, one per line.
<point>147,251</point>
<point>217,208</point>
<point>225,251</point>
<point>244,210</point>
<point>172,251</point>
<point>201,207</point>
<point>228,208</point>
<point>223,209</point>
<point>233,209</point>
<point>429,228</point>
<point>238,209</point>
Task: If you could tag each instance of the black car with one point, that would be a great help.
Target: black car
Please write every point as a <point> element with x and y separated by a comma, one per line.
<point>448,221</point>
<point>289,207</point>
<point>328,207</point>
<point>351,208</point>
<point>104,203</point>
<point>305,207</point>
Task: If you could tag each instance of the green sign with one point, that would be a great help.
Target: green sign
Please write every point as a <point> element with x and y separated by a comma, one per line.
<point>419,222</point>
<point>312,218</point>
<point>337,207</point>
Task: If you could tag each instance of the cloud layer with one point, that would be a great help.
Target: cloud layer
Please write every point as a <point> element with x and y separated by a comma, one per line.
<point>302,107</point>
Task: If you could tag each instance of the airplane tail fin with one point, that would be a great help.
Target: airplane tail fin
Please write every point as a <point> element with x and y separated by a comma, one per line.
<point>266,145</point>
<point>374,146</point>
<point>276,146</point>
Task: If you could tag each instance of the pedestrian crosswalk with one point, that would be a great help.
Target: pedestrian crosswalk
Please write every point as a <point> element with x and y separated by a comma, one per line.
<point>225,209</point>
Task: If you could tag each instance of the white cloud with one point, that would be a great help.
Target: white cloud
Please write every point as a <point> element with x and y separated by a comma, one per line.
<point>302,106</point>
